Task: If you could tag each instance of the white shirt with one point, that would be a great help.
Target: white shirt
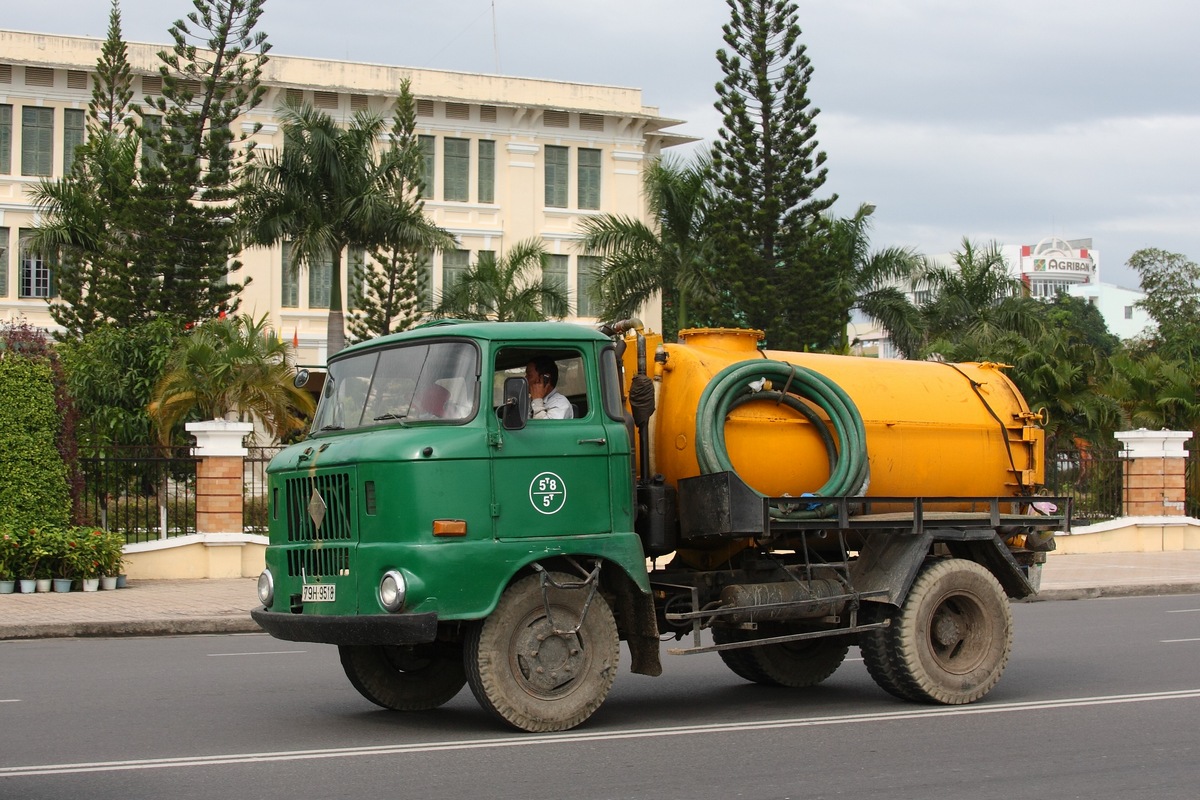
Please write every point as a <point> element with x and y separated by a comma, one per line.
<point>552,406</point>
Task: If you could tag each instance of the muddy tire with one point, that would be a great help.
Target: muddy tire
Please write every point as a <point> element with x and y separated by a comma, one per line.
<point>410,678</point>
<point>532,678</point>
<point>880,658</point>
<point>792,664</point>
<point>951,640</point>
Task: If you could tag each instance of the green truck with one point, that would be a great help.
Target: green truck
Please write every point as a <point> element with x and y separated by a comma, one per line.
<point>440,535</point>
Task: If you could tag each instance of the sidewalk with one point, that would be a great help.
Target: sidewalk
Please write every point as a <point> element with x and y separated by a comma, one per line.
<point>171,607</point>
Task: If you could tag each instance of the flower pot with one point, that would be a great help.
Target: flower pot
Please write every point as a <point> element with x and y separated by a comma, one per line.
<point>8,587</point>
<point>63,584</point>
<point>91,584</point>
<point>122,581</point>
<point>28,586</point>
<point>108,582</point>
<point>43,584</point>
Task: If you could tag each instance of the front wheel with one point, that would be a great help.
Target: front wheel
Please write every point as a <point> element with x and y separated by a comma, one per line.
<point>524,665</point>
<point>951,639</point>
<point>409,678</point>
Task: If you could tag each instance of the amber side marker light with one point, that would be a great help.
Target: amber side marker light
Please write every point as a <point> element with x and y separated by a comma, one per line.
<point>449,527</point>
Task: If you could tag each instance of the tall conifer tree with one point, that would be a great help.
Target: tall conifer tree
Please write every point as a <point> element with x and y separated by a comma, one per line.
<point>767,173</point>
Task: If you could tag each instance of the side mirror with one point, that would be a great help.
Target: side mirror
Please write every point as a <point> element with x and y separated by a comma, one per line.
<point>301,378</point>
<point>515,411</point>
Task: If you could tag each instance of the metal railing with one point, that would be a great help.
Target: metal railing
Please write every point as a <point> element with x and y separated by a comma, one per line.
<point>146,493</point>
<point>1093,480</point>
<point>254,488</point>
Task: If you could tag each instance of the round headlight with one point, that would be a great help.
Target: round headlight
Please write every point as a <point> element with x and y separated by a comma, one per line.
<point>266,588</point>
<point>392,588</point>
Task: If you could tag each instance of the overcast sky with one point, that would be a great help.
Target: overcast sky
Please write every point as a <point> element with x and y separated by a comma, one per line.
<point>1007,121</point>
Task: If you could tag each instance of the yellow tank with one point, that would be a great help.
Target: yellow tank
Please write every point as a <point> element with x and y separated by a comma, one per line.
<point>932,429</point>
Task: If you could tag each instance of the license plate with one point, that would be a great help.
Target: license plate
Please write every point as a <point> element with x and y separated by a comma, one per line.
<point>318,593</point>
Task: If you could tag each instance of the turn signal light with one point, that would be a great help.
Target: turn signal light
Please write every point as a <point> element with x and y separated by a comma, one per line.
<point>449,527</point>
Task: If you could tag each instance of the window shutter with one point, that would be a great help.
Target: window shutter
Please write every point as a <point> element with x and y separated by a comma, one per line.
<point>556,176</point>
<point>320,282</point>
<point>358,102</point>
<point>5,73</point>
<point>39,76</point>
<point>77,79</point>
<point>487,171</point>
<point>587,269</point>
<point>591,122</point>
<point>73,133</point>
<point>37,141</point>
<point>4,265</point>
<point>424,107</point>
<point>487,113</point>
<point>456,155</point>
<point>293,97</point>
<point>326,100</point>
<point>152,84</point>
<point>428,145</point>
<point>556,119</point>
<point>5,139</point>
<point>289,280</point>
<point>458,111</point>
<point>589,178</point>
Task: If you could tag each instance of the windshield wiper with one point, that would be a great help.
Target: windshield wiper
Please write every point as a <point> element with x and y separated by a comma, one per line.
<point>333,428</point>
<point>391,416</point>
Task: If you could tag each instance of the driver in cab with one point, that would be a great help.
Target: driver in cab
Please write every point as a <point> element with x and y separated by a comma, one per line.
<point>547,403</point>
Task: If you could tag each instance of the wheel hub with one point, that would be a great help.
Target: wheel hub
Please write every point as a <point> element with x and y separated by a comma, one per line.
<point>946,631</point>
<point>546,660</point>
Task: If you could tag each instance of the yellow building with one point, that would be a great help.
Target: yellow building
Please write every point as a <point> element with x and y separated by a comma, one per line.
<point>511,158</point>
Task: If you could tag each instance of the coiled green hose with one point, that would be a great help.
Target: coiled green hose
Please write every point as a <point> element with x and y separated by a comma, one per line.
<point>732,387</point>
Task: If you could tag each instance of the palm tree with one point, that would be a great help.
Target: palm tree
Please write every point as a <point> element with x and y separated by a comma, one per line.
<point>230,365</point>
<point>873,281</point>
<point>976,299</point>
<point>508,289</point>
<point>329,189</point>
<point>671,255</point>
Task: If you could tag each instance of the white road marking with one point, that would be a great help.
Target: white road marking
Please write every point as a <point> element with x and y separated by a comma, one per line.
<point>10,701</point>
<point>1182,610</point>
<point>1173,641</point>
<point>263,653</point>
<point>560,739</point>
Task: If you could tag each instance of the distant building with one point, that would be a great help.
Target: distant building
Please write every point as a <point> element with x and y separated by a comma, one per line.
<point>506,158</point>
<point>1051,266</point>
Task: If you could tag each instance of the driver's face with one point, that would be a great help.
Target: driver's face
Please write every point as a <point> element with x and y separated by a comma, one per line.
<point>531,375</point>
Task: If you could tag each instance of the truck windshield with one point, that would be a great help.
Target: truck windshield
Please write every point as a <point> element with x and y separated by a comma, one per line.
<point>427,382</point>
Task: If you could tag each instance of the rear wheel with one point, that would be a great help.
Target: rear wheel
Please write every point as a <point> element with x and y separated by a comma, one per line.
<point>950,641</point>
<point>405,678</point>
<point>796,664</point>
<point>526,668</point>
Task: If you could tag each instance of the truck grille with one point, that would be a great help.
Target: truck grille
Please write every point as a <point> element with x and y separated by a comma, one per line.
<point>324,497</point>
<point>325,562</point>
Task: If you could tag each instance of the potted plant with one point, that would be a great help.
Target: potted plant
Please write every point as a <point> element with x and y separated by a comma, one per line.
<point>111,544</point>
<point>89,545</point>
<point>65,562</point>
<point>10,551</point>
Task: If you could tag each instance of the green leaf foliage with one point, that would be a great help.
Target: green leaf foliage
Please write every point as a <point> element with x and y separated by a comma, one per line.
<point>33,477</point>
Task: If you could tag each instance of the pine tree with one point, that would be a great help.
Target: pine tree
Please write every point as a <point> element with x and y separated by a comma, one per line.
<point>394,282</point>
<point>211,76</point>
<point>112,87</point>
<point>767,172</point>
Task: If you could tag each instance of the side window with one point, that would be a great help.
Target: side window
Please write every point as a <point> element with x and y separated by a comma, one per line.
<point>569,374</point>
<point>610,384</point>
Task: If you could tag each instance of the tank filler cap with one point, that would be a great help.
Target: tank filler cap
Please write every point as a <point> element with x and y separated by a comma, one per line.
<point>742,339</point>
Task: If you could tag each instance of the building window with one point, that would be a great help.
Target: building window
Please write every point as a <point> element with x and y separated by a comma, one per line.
<point>5,139</point>
<point>37,278</point>
<point>326,100</point>
<point>589,178</point>
<point>556,176</point>
<point>76,79</point>
<point>320,281</point>
<point>4,262</point>
<point>39,76</point>
<point>454,265</point>
<point>1128,312</point>
<point>554,272</point>
<point>585,283</point>
<point>37,141</point>
<point>289,295</point>
<point>556,119</point>
<point>293,97</point>
<point>456,179</point>
<point>72,136</point>
<point>428,145</point>
<point>487,171</point>
<point>458,111</point>
<point>425,283</point>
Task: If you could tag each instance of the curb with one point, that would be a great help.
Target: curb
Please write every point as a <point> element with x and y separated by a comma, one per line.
<point>1131,590</point>
<point>156,627</point>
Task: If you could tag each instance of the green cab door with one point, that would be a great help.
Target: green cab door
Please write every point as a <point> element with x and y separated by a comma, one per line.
<point>552,478</point>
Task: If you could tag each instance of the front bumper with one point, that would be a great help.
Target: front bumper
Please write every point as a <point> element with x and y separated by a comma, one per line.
<point>375,629</point>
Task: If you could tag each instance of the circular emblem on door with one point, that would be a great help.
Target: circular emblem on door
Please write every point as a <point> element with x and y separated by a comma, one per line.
<point>548,493</point>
